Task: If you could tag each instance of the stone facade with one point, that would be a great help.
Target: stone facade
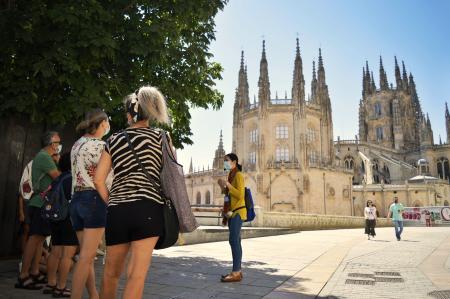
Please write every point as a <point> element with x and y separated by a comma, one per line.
<point>285,146</point>
<point>395,144</point>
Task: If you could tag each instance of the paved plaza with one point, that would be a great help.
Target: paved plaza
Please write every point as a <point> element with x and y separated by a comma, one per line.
<point>311,264</point>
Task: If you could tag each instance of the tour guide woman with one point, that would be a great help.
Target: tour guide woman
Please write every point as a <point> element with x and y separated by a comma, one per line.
<point>234,189</point>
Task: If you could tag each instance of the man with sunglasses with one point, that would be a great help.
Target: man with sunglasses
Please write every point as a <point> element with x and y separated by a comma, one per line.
<point>43,172</point>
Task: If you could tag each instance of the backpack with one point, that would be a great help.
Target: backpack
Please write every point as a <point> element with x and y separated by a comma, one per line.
<point>249,206</point>
<point>56,205</point>
<point>26,187</point>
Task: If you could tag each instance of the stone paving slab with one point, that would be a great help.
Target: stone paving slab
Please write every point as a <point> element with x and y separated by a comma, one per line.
<point>194,271</point>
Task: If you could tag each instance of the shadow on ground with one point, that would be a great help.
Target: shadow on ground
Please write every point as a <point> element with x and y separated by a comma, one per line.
<point>181,278</point>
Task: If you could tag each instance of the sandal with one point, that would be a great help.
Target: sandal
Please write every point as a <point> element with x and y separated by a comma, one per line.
<point>26,283</point>
<point>48,289</point>
<point>39,278</point>
<point>62,293</point>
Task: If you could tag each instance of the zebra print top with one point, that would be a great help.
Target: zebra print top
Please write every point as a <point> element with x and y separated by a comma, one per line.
<point>130,183</point>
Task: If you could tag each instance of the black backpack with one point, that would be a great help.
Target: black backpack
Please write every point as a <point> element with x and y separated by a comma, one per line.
<point>56,205</point>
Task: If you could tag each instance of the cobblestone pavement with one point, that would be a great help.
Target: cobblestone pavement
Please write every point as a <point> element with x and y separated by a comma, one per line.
<point>296,260</point>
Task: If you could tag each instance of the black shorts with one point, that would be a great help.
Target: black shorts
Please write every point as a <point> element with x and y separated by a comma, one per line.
<point>63,233</point>
<point>38,225</point>
<point>26,212</point>
<point>132,221</point>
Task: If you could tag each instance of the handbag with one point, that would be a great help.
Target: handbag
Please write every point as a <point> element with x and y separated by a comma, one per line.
<point>171,225</point>
<point>174,187</point>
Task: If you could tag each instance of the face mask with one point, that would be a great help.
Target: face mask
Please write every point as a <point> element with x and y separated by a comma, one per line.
<point>107,130</point>
<point>59,149</point>
<point>226,165</point>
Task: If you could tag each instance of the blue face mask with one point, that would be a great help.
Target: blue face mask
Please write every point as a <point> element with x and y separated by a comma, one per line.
<point>226,165</point>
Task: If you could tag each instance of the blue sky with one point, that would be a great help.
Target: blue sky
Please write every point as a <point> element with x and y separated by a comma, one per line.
<point>349,33</point>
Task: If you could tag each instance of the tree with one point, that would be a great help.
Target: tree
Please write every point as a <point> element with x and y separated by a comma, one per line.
<point>59,59</point>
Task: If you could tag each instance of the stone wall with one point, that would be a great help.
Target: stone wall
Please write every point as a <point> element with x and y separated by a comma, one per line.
<point>314,222</point>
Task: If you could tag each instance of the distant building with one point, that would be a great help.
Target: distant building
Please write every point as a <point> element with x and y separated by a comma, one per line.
<point>285,146</point>
<point>292,164</point>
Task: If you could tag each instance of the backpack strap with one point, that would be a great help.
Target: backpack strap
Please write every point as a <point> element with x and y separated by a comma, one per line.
<point>237,209</point>
<point>144,170</point>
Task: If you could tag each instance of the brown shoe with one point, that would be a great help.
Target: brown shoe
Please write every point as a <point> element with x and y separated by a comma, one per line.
<point>232,277</point>
<point>225,275</point>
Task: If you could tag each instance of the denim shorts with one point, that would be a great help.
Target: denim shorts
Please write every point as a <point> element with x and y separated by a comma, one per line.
<point>87,210</point>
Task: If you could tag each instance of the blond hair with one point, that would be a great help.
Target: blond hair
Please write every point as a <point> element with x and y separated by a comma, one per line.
<point>152,105</point>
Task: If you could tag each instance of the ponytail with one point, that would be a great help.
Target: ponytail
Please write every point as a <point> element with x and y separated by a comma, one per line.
<point>147,103</point>
<point>92,121</point>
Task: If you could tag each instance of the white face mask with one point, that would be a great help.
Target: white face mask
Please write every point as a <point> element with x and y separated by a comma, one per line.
<point>107,130</point>
<point>226,165</point>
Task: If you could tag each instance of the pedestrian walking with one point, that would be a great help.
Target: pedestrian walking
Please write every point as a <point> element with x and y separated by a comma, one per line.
<point>87,208</point>
<point>43,172</point>
<point>395,213</point>
<point>370,214</point>
<point>427,218</point>
<point>135,218</point>
<point>234,189</point>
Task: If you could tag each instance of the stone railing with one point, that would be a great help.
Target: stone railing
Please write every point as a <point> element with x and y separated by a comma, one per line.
<point>312,222</point>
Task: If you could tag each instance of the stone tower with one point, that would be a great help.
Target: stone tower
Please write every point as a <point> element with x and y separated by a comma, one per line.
<point>392,117</point>
<point>447,122</point>
<point>219,155</point>
<point>322,98</point>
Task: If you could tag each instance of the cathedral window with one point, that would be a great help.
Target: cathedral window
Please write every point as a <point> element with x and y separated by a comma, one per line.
<point>252,158</point>
<point>377,109</point>
<point>313,157</point>
<point>379,131</point>
<point>254,136</point>
<point>349,162</point>
<point>282,154</point>
<point>443,169</point>
<point>282,132</point>
<point>208,198</point>
<point>199,198</point>
<point>310,135</point>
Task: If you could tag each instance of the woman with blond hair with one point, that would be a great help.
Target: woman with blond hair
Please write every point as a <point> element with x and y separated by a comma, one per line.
<point>135,205</point>
<point>87,209</point>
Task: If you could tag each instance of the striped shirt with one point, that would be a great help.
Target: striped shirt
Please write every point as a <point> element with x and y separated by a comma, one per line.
<point>130,183</point>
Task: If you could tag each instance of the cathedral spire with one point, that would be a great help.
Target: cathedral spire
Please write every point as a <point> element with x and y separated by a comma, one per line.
<point>447,122</point>
<point>243,96</point>
<point>364,83</point>
<point>372,83</point>
<point>398,77</point>
<point>384,85</point>
<point>369,88</point>
<point>191,169</point>
<point>321,70</point>
<point>220,153</point>
<point>263,82</point>
<point>405,76</point>
<point>298,81</point>
<point>313,84</point>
